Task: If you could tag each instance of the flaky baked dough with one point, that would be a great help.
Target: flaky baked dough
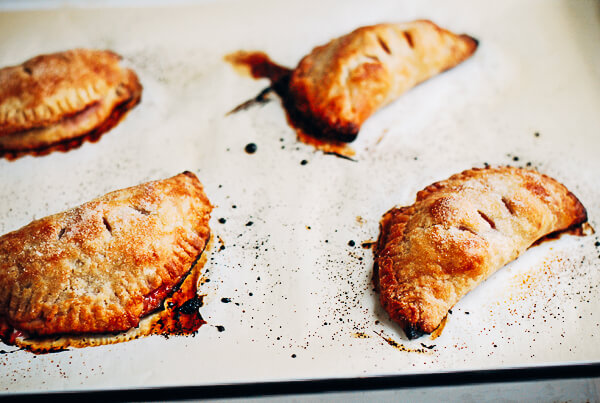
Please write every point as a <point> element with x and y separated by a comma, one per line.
<point>57,97</point>
<point>460,231</point>
<point>102,266</point>
<point>340,84</point>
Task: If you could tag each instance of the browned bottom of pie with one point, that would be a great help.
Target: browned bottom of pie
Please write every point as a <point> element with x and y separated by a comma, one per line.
<point>55,102</point>
<point>12,146</point>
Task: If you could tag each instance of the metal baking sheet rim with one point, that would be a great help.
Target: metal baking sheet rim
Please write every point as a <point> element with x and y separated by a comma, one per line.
<point>313,386</point>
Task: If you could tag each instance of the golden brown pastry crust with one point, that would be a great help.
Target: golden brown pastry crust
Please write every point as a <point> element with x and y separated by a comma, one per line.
<point>170,319</point>
<point>460,231</point>
<point>340,84</point>
<point>57,98</point>
<point>102,266</point>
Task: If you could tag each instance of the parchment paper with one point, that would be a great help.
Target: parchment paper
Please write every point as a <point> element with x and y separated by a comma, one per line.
<point>302,302</point>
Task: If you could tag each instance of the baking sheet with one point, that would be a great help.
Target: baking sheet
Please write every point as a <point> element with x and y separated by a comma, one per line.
<point>302,303</point>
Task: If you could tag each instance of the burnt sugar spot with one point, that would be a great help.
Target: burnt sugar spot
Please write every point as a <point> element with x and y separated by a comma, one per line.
<point>191,306</point>
<point>261,99</point>
<point>181,315</point>
<point>250,148</point>
<point>360,335</point>
<point>259,65</point>
<point>3,352</point>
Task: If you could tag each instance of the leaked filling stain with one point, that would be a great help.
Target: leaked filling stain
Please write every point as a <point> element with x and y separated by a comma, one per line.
<point>438,331</point>
<point>401,347</point>
<point>177,315</point>
<point>583,229</point>
<point>259,65</point>
<point>181,314</point>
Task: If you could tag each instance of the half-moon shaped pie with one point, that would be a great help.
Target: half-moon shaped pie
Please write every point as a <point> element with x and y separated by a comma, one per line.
<point>340,84</point>
<point>459,232</point>
<point>103,266</point>
<point>57,101</point>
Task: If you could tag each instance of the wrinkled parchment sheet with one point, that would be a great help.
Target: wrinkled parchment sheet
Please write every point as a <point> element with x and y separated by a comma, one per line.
<point>302,304</point>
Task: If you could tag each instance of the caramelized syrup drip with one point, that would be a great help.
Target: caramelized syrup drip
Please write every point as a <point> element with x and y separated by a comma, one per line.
<point>259,65</point>
<point>117,114</point>
<point>438,331</point>
<point>368,244</point>
<point>180,315</point>
<point>582,229</point>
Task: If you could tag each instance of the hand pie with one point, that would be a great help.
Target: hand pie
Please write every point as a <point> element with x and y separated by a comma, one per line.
<point>59,100</point>
<point>340,84</point>
<point>459,232</point>
<point>101,267</point>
